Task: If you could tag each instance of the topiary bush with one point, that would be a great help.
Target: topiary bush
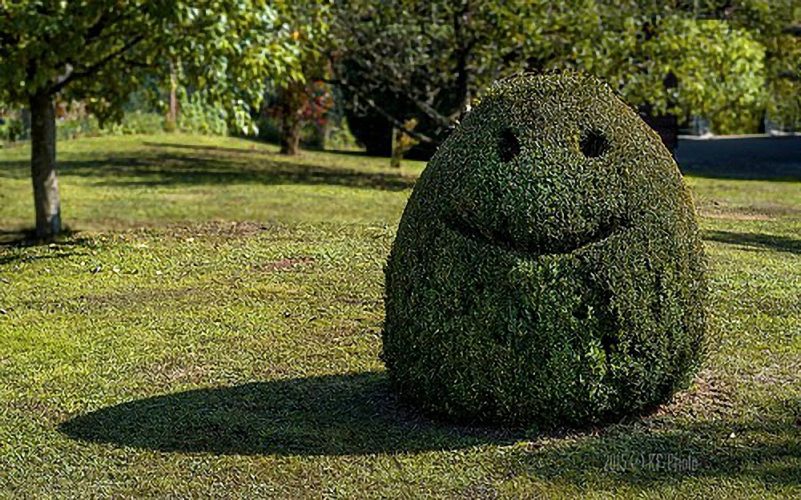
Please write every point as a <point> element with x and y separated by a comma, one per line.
<point>547,269</point>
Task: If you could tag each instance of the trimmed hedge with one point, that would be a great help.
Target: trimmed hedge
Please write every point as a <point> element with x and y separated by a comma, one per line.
<point>547,269</point>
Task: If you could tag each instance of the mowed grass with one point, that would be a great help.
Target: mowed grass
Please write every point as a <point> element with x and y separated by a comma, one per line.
<point>212,328</point>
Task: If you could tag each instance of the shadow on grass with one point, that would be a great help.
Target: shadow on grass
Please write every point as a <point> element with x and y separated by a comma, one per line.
<point>254,149</point>
<point>357,414</point>
<point>210,165</point>
<point>326,415</point>
<point>25,237</point>
<point>755,240</point>
<point>12,243</point>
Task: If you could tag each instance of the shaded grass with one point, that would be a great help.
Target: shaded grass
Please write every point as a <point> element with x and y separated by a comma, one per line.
<point>139,181</point>
<point>346,414</point>
<point>212,329</point>
<point>761,241</point>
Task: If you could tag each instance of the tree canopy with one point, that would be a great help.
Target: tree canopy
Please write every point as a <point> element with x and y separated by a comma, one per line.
<point>725,60</point>
<point>427,59</point>
<point>100,51</point>
<point>679,65</point>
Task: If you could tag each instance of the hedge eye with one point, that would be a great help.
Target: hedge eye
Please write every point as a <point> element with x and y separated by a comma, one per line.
<point>508,145</point>
<point>593,144</point>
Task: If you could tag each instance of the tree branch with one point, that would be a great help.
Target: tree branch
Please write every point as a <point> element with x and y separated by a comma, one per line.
<point>394,121</point>
<point>72,75</point>
<point>96,29</point>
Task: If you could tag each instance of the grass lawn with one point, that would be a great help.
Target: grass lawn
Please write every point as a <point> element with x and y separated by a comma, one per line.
<point>212,327</point>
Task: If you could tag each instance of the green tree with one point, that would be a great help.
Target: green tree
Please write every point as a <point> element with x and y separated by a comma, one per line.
<point>426,60</point>
<point>785,66</point>
<point>676,61</point>
<point>403,59</point>
<point>309,21</point>
<point>100,50</point>
<point>777,25</point>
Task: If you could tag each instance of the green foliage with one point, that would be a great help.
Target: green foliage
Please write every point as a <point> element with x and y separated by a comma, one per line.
<point>428,59</point>
<point>100,51</point>
<point>784,61</point>
<point>139,117</point>
<point>198,116</point>
<point>680,65</point>
<point>12,129</point>
<point>547,268</point>
<point>133,122</point>
<point>771,22</point>
<point>727,58</point>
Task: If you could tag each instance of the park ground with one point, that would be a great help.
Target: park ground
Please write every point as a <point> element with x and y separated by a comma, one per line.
<point>211,326</point>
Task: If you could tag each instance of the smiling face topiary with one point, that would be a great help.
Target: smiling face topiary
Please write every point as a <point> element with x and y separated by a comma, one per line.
<point>547,269</point>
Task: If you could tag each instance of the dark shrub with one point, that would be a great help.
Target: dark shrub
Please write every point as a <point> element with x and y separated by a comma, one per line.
<point>547,269</point>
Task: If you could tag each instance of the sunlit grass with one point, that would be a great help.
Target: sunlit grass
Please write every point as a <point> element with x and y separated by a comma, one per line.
<point>212,328</point>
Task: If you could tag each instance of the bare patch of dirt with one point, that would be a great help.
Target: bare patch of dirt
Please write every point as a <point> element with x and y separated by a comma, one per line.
<point>126,299</point>
<point>760,212</point>
<point>733,215</point>
<point>709,395</point>
<point>172,371</point>
<point>218,228</point>
<point>782,372</point>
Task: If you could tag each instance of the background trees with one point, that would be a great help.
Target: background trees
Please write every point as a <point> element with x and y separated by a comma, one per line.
<point>427,60</point>
<point>777,25</point>
<point>308,21</point>
<point>408,66</point>
<point>673,64</point>
<point>100,51</point>
<point>725,60</point>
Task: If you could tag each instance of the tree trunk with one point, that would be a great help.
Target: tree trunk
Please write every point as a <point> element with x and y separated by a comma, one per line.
<point>397,148</point>
<point>291,101</point>
<point>461,27</point>
<point>290,134</point>
<point>43,166</point>
<point>172,112</point>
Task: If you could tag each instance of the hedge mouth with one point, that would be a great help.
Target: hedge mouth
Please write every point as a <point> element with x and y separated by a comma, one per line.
<point>503,240</point>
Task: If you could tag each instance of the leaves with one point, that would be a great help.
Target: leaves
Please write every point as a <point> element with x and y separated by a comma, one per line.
<point>428,59</point>
<point>680,65</point>
<point>101,51</point>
